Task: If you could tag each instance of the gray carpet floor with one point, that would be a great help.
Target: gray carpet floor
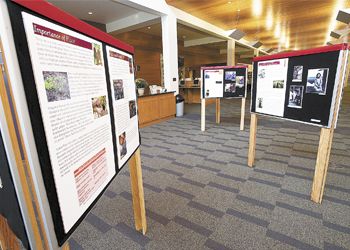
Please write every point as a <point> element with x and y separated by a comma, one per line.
<point>200,194</point>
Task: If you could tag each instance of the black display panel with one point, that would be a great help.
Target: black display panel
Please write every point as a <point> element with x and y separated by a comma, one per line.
<point>239,82</point>
<point>308,91</point>
<point>40,137</point>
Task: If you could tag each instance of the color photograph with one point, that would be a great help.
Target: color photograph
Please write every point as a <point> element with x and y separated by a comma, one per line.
<point>97,54</point>
<point>230,75</point>
<point>297,74</point>
<point>230,87</point>
<point>295,96</point>
<point>132,108</point>
<point>56,86</point>
<point>317,81</point>
<point>122,144</point>
<point>99,106</point>
<point>118,89</point>
<point>239,81</point>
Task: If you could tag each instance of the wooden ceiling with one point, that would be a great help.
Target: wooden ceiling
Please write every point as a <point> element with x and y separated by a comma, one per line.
<point>279,24</point>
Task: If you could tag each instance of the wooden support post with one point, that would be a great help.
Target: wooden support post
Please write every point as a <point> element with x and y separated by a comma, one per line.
<point>66,246</point>
<point>8,239</point>
<point>322,162</point>
<point>218,110</point>
<point>138,199</point>
<point>203,114</point>
<point>242,114</point>
<point>326,139</point>
<point>252,139</point>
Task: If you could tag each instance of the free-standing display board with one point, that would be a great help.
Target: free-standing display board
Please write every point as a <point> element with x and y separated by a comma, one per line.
<point>299,87</point>
<point>80,90</point>
<point>223,82</point>
<point>304,86</point>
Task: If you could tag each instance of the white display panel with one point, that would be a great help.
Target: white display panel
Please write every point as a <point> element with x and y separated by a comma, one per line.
<point>123,87</point>
<point>72,91</point>
<point>214,83</point>
<point>271,86</point>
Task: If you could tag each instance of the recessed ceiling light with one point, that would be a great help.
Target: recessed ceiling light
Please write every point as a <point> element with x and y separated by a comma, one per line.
<point>90,13</point>
<point>149,27</point>
<point>229,2</point>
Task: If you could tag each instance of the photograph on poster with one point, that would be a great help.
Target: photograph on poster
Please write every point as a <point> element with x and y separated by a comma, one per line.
<point>278,84</point>
<point>317,81</point>
<point>230,87</point>
<point>99,106</point>
<point>296,96</point>
<point>118,89</point>
<point>239,81</point>
<point>56,86</point>
<point>230,75</point>
<point>122,143</point>
<point>260,102</point>
<point>132,108</point>
<point>297,74</point>
<point>97,54</point>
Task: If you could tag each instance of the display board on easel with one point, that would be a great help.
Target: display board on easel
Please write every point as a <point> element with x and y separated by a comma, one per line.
<point>223,82</point>
<point>79,84</point>
<point>303,86</point>
<point>300,88</point>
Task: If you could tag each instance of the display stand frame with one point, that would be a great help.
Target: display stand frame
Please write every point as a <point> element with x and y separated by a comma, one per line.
<point>326,134</point>
<point>218,105</point>
<point>27,187</point>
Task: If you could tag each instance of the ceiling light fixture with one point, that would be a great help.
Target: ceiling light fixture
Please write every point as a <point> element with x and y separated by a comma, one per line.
<point>229,2</point>
<point>90,13</point>
<point>149,27</point>
<point>333,21</point>
<point>269,19</point>
<point>257,7</point>
<point>277,31</point>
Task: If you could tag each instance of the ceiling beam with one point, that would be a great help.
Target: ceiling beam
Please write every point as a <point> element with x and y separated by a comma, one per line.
<point>202,41</point>
<point>136,21</point>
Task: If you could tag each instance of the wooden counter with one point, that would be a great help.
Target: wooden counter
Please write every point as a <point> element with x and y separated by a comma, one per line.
<point>192,94</point>
<point>156,108</point>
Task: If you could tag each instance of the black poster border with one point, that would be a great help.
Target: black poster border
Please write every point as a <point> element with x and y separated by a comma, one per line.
<point>29,85</point>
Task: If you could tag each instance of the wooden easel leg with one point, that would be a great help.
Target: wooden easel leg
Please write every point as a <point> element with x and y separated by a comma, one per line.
<point>203,114</point>
<point>242,114</point>
<point>252,139</point>
<point>66,246</point>
<point>138,198</point>
<point>324,150</point>
<point>217,110</point>
<point>8,239</point>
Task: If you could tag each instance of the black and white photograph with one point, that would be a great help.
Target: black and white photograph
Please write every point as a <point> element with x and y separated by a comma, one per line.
<point>118,89</point>
<point>262,74</point>
<point>317,81</point>
<point>230,87</point>
<point>296,96</point>
<point>239,81</point>
<point>260,102</point>
<point>132,108</point>
<point>122,144</point>
<point>297,74</point>
<point>278,84</point>
<point>230,75</point>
